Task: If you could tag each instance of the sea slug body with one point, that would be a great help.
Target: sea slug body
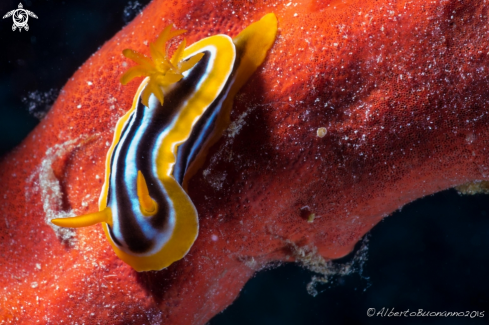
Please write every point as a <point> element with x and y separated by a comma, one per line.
<point>178,112</point>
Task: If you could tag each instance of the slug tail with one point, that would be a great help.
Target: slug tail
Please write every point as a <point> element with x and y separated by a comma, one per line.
<point>85,220</point>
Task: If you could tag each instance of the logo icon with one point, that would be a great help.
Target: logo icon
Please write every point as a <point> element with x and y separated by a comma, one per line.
<point>20,17</point>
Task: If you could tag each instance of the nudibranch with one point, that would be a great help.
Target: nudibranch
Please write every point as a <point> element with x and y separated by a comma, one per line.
<point>178,112</point>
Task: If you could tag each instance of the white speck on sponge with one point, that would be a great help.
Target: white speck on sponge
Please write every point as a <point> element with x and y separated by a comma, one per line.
<point>321,132</point>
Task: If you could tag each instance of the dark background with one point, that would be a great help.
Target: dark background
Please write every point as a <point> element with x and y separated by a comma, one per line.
<point>432,255</point>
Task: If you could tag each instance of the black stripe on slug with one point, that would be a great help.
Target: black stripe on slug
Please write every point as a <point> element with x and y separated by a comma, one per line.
<point>133,236</point>
<point>202,130</point>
